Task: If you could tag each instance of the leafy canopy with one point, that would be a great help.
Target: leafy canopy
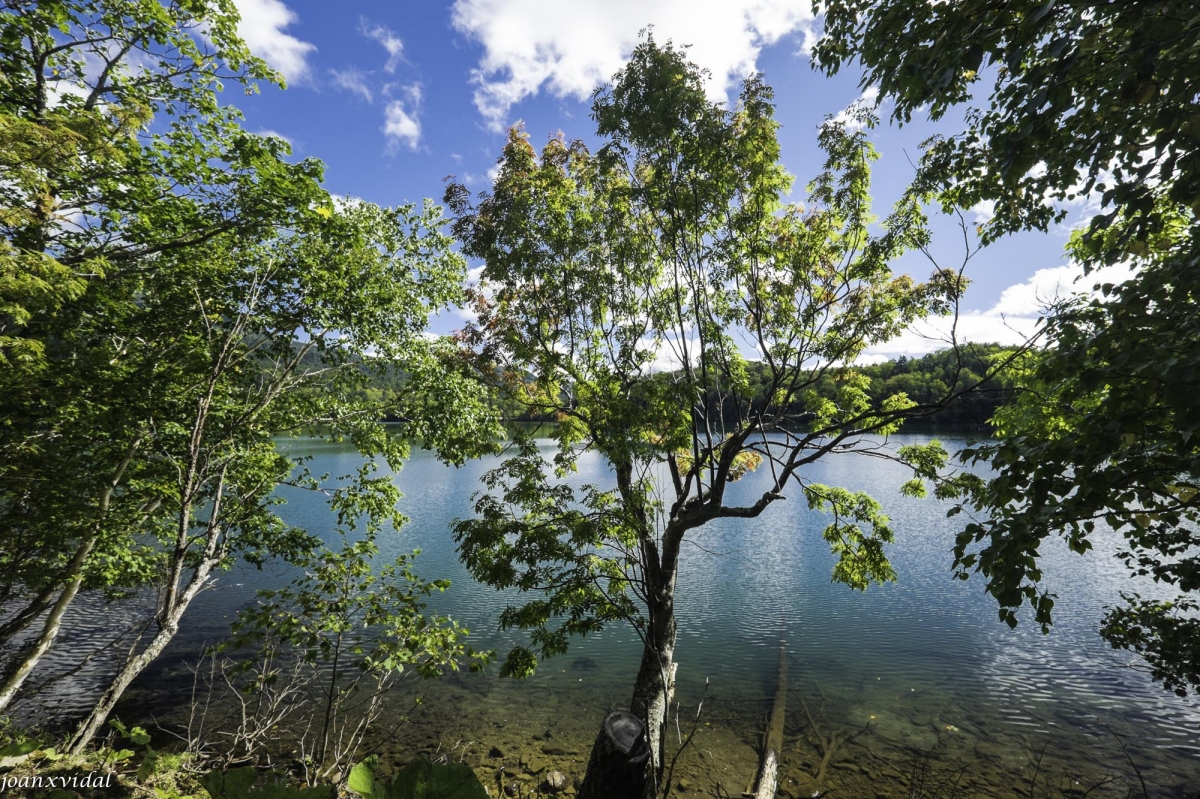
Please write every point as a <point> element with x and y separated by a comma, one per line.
<point>175,293</point>
<point>1082,96</point>
<point>1086,98</point>
<point>622,294</point>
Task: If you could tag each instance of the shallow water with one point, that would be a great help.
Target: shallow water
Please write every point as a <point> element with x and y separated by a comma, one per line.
<point>935,696</point>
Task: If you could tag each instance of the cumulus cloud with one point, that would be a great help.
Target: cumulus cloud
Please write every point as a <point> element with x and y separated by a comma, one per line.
<point>570,48</point>
<point>985,211</point>
<point>1011,320</point>
<point>401,125</point>
<point>262,27</point>
<point>274,134</point>
<point>345,201</point>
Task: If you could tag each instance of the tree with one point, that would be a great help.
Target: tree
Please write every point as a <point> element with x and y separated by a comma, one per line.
<point>354,291</point>
<point>199,295</point>
<point>90,189</point>
<point>356,631</point>
<point>672,243</point>
<point>1086,98</point>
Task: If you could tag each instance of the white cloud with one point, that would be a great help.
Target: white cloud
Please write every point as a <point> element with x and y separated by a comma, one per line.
<point>985,211</point>
<point>849,116</point>
<point>810,38</point>
<point>274,133</point>
<point>262,27</point>
<point>1010,321</point>
<point>344,201</point>
<point>354,81</point>
<point>401,125</point>
<point>384,35</point>
<point>570,48</point>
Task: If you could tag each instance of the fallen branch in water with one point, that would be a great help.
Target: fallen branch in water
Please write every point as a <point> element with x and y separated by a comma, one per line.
<point>768,773</point>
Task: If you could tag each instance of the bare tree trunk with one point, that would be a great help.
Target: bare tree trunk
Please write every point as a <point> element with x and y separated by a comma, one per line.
<point>169,625</point>
<point>768,773</point>
<point>72,579</point>
<point>31,656</point>
<point>31,611</point>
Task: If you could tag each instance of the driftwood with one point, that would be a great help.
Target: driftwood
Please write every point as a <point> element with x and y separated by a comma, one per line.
<point>620,761</point>
<point>768,772</point>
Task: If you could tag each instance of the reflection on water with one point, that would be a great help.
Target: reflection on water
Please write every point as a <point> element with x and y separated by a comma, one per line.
<point>917,667</point>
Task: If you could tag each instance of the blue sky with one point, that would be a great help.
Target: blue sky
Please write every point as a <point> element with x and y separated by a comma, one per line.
<point>394,97</point>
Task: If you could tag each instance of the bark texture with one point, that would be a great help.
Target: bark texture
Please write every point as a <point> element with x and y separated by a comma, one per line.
<point>169,625</point>
<point>620,765</point>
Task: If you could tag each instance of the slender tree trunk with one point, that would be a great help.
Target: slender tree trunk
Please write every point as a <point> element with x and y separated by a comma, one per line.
<point>30,612</point>
<point>45,640</point>
<point>72,579</point>
<point>768,773</point>
<point>169,625</point>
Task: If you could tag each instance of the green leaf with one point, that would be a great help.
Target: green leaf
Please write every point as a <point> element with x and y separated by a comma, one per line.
<point>232,784</point>
<point>362,778</point>
<point>423,779</point>
<point>17,749</point>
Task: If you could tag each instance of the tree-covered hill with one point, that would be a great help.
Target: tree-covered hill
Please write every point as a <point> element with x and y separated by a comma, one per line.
<point>925,380</point>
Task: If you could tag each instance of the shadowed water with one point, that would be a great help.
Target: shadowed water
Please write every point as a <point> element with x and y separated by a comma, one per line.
<point>918,675</point>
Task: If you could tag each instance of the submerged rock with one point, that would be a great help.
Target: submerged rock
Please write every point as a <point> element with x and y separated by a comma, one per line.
<point>554,782</point>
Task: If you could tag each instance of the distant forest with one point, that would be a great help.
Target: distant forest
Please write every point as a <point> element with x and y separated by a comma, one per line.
<point>924,380</point>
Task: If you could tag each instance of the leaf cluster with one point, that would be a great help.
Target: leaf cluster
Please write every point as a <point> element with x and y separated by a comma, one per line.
<point>1083,96</point>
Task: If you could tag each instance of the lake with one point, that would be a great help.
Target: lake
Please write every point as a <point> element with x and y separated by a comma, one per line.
<point>931,693</point>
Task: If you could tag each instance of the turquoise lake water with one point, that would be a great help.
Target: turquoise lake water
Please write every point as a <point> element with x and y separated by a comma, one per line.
<point>920,675</point>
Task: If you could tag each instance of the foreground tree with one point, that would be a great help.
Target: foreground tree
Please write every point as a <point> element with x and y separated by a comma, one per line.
<point>254,341</point>
<point>93,186</point>
<point>1087,98</point>
<point>176,293</point>
<point>672,244</point>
